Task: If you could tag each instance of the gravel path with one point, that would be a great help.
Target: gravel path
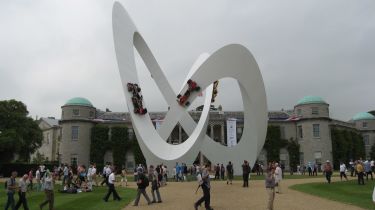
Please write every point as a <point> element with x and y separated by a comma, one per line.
<point>180,196</point>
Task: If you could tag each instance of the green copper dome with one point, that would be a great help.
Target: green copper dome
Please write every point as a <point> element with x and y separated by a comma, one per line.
<point>311,100</point>
<point>79,101</point>
<point>363,116</point>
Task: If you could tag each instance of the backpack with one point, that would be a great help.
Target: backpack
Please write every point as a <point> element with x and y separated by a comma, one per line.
<point>146,181</point>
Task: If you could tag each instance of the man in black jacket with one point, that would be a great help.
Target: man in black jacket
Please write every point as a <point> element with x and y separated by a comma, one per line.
<point>142,183</point>
<point>245,173</point>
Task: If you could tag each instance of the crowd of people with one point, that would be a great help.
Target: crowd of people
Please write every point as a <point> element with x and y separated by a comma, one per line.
<point>82,179</point>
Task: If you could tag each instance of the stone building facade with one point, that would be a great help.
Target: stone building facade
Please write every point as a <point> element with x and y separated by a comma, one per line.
<point>309,124</point>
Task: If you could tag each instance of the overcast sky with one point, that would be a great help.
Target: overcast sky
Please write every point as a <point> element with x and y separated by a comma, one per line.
<point>51,51</point>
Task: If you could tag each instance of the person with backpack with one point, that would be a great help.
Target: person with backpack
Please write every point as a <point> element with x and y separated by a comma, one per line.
<point>111,187</point>
<point>11,187</point>
<point>142,184</point>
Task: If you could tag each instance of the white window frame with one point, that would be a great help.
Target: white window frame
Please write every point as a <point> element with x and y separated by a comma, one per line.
<point>73,137</point>
<point>316,131</point>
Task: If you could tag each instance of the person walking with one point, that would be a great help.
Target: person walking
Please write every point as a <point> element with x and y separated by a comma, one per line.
<point>206,187</point>
<point>245,173</point>
<point>328,171</point>
<point>278,177</point>
<point>368,169</point>
<point>30,178</point>
<point>229,173</point>
<point>11,186</point>
<point>360,172</point>
<point>270,187</point>
<point>155,184</point>
<point>22,193</point>
<point>343,171</point>
<point>48,190</point>
<point>111,187</point>
<point>142,184</point>
<point>222,171</point>
<point>38,180</point>
<point>217,171</point>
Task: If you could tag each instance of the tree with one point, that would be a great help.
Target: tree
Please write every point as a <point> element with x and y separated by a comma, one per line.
<point>372,152</point>
<point>119,144</point>
<point>19,134</point>
<point>274,143</point>
<point>99,137</point>
<point>293,150</point>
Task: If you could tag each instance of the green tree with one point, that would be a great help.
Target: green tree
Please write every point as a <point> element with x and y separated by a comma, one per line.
<point>274,143</point>
<point>19,134</point>
<point>293,150</point>
<point>119,144</point>
<point>99,138</point>
<point>372,152</point>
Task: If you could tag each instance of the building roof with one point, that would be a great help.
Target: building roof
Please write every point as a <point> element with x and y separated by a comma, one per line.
<point>311,100</point>
<point>79,101</point>
<point>51,121</point>
<point>363,116</point>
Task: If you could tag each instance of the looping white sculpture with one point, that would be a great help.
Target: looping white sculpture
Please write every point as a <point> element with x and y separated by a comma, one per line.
<point>233,61</point>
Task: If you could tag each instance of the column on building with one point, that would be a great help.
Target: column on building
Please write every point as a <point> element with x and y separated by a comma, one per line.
<point>222,134</point>
<point>212,131</point>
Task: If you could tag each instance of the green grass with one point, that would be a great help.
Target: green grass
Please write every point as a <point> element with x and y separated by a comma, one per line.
<point>346,192</point>
<point>91,200</point>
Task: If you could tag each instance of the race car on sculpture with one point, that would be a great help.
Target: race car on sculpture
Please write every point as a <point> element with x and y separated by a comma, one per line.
<point>191,86</point>
<point>137,98</point>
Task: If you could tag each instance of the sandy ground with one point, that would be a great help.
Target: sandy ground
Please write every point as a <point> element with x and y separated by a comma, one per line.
<point>181,196</point>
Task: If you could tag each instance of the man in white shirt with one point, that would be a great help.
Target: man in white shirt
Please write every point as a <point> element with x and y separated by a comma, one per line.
<point>111,187</point>
<point>22,193</point>
<point>93,174</point>
<point>37,177</point>
<point>278,177</point>
<point>343,171</point>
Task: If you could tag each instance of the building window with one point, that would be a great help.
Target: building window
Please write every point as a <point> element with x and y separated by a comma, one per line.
<point>47,138</point>
<point>74,159</point>
<point>301,158</point>
<point>314,110</point>
<point>91,114</point>
<point>318,157</point>
<point>282,132</point>
<point>300,133</point>
<point>364,124</point>
<point>75,133</point>
<point>366,139</point>
<point>75,112</point>
<point>316,130</point>
<point>299,112</point>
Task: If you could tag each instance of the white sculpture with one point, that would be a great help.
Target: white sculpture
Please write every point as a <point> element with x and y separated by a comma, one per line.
<point>233,61</point>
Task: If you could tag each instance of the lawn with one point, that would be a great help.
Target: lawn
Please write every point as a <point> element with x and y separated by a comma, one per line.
<point>346,192</point>
<point>91,200</point>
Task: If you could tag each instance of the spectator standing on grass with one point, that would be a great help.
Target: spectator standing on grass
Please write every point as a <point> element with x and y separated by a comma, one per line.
<point>278,177</point>
<point>124,178</point>
<point>328,171</point>
<point>22,193</point>
<point>270,187</point>
<point>38,180</point>
<point>30,177</point>
<point>11,186</point>
<point>360,172</point>
<point>368,169</point>
<point>65,175</point>
<point>48,190</point>
<point>343,171</point>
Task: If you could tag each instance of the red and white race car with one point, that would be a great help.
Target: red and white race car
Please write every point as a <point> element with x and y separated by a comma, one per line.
<point>137,98</point>
<point>191,86</point>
